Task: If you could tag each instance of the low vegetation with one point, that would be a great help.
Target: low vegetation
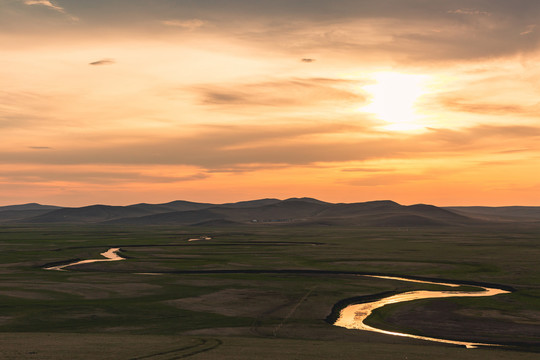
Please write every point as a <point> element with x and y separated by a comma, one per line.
<point>228,297</point>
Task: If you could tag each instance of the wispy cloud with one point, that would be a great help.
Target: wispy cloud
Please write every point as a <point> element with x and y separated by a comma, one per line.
<point>367,170</point>
<point>75,174</point>
<point>52,6</point>
<point>40,147</point>
<point>237,147</point>
<point>190,24</point>
<point>466,11</point>
<point>529,30</point>
<point>103,62</point>
<point>308,60</point>
<point>288,92</point>
<point>386,179</point>
<point>465,105</point>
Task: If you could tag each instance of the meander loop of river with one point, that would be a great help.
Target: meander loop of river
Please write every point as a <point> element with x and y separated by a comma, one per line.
<point>354,316</point>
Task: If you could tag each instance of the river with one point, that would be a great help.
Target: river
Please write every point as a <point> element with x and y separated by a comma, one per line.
<point>354,316</point>
<point>109,255</point>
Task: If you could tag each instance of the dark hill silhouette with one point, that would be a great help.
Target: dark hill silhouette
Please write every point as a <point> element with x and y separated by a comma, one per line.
<point>18,212</point>
<point>8,216</point>
<point>293,211</point>
<point>87,214</point>
<point>29,206</point>
<point>502,213</point>
<point>178,205</point>
<point>390,213</point>
<point>301,211</point>
<point>251,203</point>
<point>283,211</point>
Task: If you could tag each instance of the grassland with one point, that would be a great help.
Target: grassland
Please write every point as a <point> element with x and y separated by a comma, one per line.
<point>120,310</point>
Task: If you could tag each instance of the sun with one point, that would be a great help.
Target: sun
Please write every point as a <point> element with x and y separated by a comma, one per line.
<point>393,99</point>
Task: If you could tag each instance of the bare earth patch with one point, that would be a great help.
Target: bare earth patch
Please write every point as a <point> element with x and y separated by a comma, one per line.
<point>234,302</point>
<point>445,319</point>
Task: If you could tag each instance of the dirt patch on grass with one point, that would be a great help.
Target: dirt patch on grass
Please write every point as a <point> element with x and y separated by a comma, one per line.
<point>234,302</point>
<point>221,331</point>
<point>26,294</point>
<point>5,319</point>
<point>91,291</point>
<point>520,317</point>
<point>448,320</point>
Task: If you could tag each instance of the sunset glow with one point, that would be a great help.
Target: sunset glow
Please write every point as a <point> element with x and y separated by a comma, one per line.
<point>126,101</point>
<point>394,98</point>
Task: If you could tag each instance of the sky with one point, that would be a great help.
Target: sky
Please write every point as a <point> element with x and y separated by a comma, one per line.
<point>127,101</point>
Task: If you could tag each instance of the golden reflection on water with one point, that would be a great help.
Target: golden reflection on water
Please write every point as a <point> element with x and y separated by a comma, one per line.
<point>110,255</point>
<point>353,316</point>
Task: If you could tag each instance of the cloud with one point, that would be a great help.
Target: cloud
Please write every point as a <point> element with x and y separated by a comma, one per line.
<point>482,137</point>
<point>529,30</point>
<point>28,109</point>
<point>308,60</point>
<point>385,180</point>
<point>281,93</point>
<point>513,151</point>
<point>103,62</point>
<point>52,6</point>
<point>75,174</point>
<point>191,24</point>
<point>40,147</point>
<point>403,31</point>
<point>465,105</point>
<point>267,146</point>
<point>368,170</point>
<point>469,12</point>
<point>240,169</point>
<point>382,32</point>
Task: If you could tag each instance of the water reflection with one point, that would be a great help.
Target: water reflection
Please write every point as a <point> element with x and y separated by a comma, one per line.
<point>353,316</point>
<point>110,255</point>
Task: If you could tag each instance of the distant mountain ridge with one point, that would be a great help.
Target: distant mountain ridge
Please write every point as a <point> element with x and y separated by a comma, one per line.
<point>12,213</point>
<point>500,213</point>
<point>292,211</point>
<point>29,206</point>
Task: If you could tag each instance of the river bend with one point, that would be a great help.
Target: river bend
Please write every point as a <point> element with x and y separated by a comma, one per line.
<point>354,316</point>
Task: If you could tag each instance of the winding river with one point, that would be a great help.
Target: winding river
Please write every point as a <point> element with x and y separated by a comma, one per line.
<point>354,316</point>
<point>109,255</point>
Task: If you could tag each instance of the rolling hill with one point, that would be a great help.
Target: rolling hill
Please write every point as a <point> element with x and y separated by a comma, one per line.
<point>293,211</point>
<point>502,213</point>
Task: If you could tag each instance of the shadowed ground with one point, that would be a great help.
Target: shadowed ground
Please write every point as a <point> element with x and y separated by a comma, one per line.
<point>212,297</point>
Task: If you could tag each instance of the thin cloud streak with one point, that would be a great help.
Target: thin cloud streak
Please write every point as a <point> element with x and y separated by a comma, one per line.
<point>233,148</point>
<point>283,93</point>
<point>51,5</point>
<point>529,30</point>
<point>40,175</point>
<point>103,62</point>
<point>190,24</point>
<point>469,12</point>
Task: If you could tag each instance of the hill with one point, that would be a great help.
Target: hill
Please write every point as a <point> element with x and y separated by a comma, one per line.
<point>293,211</point>
<point>24,211</point>
<point>502,213</point>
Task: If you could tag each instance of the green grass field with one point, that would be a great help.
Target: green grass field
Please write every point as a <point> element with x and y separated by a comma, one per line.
<point>118,310</point>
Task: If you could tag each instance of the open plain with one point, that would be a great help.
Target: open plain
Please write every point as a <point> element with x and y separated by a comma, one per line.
<point>261,291</point>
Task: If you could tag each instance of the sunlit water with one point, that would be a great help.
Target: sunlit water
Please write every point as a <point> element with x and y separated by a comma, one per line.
<point>201,238</point>
<point>110,255</point>
<point>353,316</point>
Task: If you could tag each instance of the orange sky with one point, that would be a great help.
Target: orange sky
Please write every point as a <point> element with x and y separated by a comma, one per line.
<point>121,102</point>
